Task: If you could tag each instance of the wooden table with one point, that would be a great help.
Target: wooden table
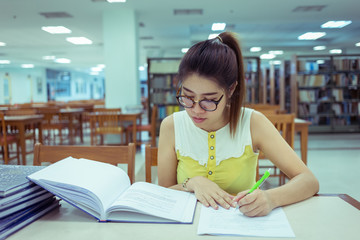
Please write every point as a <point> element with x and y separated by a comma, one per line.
<point>320,217</point>
<point>71,114</point>
<point>134,118</point>
<point>302,126</point>
<point>20,122</point>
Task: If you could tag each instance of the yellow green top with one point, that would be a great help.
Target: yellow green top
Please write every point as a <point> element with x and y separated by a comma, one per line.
<point>228,161</point>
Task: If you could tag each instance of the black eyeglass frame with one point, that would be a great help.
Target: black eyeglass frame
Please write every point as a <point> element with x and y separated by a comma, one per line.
<point>199,102</point>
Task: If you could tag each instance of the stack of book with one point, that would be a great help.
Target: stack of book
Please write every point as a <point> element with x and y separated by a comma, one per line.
<point>21,201</point>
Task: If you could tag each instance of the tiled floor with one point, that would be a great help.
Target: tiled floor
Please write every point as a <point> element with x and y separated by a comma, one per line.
<point>334,159</point>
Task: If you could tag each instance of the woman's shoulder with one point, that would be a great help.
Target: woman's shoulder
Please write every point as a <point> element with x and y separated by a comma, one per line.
<point>168,122</point>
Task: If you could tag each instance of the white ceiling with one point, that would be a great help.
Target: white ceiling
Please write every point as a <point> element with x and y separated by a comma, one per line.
<point>270,24</point>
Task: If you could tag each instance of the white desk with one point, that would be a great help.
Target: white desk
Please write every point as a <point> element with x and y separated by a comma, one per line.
<point>323,217</point>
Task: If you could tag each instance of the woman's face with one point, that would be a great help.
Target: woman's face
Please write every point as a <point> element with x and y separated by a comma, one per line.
<point>199,88</point>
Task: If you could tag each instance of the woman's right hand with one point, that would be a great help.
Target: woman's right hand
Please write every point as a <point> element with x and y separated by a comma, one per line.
<point>209,193</point>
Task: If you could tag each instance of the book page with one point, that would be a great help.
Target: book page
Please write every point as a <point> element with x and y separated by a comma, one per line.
<point>233,222</point>
<point>84,177</point>
<point>151,199</point>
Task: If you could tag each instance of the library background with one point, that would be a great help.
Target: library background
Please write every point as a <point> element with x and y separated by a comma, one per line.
<point>94,79</point>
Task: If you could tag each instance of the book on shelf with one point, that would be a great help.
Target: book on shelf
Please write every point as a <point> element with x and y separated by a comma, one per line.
<point>104,191</point>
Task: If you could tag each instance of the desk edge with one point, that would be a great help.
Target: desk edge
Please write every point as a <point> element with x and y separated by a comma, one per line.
<point>353,202</point>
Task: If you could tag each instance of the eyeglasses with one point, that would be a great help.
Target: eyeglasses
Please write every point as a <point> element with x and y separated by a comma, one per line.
<point>188,102</point>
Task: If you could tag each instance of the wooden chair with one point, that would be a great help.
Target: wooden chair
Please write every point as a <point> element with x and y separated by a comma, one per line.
<point>151,156</point>
<point>104,122</point>
<point>30,130</point>
<point>109,154</point>
<point>285,124</point>
<point>6,140</point>
<point>151,127</point>
<point>53,121</point>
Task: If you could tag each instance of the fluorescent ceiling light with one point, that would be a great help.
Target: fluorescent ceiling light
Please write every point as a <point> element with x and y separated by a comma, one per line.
<point>311,35</point>
<point>96,69</point>
<point>27,65</point>
<point>56,29</point>
<point>275,62</point>
<point>335,24</point>
<point>4,62</point>
<point>277,52</point>
<point>184,50</point>
<point>255,49</point>
<point>115,1</point>
<point>2,44</point>
<point>218,26</point>
<point>336,51</point>
<point>101,66</point>
<point>320,61</point>
<point>319,48</point>
<point>48,57</point>
<point>267,56</point>
<point>79,40</point>
<point>62,60</point>
<point>213,35</point>
<point>357,44</point>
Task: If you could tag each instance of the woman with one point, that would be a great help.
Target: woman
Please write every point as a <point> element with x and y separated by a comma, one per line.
<point>212,147</point>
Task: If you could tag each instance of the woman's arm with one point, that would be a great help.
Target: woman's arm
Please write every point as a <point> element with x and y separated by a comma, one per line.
<point>303,184</point>
<point>206,191</point>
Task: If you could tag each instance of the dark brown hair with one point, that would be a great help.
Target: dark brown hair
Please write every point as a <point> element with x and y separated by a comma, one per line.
<point>219,59</point>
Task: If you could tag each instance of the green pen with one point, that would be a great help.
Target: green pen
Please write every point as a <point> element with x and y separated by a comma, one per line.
<point>261,181</point>
<point>258,184</point>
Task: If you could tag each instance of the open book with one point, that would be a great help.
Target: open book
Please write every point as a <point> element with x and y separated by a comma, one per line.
<point>104,191</point>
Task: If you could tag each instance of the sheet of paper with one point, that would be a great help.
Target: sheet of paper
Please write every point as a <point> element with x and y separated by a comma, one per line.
<point>232,222</point>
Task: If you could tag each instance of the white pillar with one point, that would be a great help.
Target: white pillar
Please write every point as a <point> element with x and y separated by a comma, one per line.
<point>122,86</point>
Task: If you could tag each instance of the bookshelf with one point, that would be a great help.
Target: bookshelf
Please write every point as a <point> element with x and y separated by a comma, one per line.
<point>252,79</point>
<point>275,84</point>
<point>162,86</point>
<point>328,92</point>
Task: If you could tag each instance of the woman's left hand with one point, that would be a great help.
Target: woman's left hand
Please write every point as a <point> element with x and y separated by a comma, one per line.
<point>255,204</point>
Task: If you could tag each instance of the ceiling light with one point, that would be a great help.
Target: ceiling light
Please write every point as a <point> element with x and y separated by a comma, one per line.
<point>48,57</point>
<point>115,1</point>
<point>184,50</point>
<point>2,44</point>
<point>320,61</point>
<point>101,66</point>
<point>56,29</point>
<point>4,62</point>
<point>213,35</point>
<point>311,35</point>
<point>218,26</point>
<point>275,62</point>
<point>335,24</point>
<point>319,48</point>
<point>277,52</point>
<point>357,44</point>
<point>255,49</point>
<point>335,51</point>
<point>96,69</point>
<point>62,60</point>
<point>79,40</point>
<point>27,65</point>
<point>267,56</point>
